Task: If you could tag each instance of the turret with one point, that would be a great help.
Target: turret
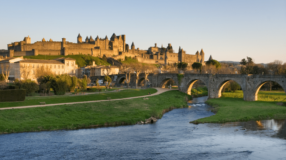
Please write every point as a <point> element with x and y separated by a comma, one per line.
<point>155,44</point>
<point>113,37</point>
<point>79,39</point>
<point>86,39</point>
<point>43,40</point>
<point>91,39</point>
<point>51,40</point>
<point>202,53</point>
<point>132,45</point>
<point>27,40</point>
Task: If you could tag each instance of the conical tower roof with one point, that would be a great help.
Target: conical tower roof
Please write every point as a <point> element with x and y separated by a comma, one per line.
<point>211,58</point>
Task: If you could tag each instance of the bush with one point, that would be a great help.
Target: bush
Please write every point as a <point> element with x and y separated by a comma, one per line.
<point>59,86</point>
<point>29,85</point>
<point>2,77</point>
<point>12,95</point>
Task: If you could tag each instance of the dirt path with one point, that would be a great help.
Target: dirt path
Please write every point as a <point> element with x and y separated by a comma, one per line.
<point>159,91</point>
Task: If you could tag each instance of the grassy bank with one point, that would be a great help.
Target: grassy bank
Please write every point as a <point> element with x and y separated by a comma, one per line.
<point>89,115</point>
<point>78,98</point>
<point>229,109</point>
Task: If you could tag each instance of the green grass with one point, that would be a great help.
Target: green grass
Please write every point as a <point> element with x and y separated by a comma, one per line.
<point>78,98</point>
<point>77,116</point>
<point>199,91</point>
<point>81,60</point>
<point>230,109</point>
<point>262,95</point>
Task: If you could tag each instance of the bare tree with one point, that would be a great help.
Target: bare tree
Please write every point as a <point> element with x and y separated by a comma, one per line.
<point>147,69</point>
<point>25,71</point>
<point>137,67</point>
<point>127,70</point>
<point>43,71</point>
<point>5,69</point>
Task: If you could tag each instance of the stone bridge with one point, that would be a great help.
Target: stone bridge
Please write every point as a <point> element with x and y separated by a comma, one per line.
<point>250,84</point>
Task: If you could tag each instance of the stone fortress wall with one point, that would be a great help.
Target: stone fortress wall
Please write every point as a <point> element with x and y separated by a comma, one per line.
<point>114,47</point>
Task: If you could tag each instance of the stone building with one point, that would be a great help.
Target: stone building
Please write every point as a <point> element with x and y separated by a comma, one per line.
<point>114,47</point>
<point>26,68</point>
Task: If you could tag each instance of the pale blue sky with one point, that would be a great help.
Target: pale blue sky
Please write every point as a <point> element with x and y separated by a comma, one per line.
<point>225,29</point>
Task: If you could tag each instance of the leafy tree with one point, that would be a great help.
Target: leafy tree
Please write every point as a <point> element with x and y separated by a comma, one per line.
<point>29,85</point>
<point>59,86</point>
<point>182,65</point>
<point>197,66</point>
<point>108,80</point>
<point>104,58</point>
<point>214,63</point>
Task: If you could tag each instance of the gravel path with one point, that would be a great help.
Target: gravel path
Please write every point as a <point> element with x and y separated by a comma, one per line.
<point>159,91</point>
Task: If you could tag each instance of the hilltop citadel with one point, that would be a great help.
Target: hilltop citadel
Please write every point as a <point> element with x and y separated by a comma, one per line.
<point>114,47</point>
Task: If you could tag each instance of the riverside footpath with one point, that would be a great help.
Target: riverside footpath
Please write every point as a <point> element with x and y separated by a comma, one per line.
<point>159,91</point>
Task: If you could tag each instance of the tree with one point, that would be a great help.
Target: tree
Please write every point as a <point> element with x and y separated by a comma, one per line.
<point>182,65</point>
<point>214,63</point>
<point>127,70</point>
<point>104,58</point>
<point>25,71</point>
<point>29,85</point>
<point>147,69</point>
<point>108,80</point>
<point>197,66</point>
<point>137,67</point>
<point>5,69</point>
<point>2,77</point>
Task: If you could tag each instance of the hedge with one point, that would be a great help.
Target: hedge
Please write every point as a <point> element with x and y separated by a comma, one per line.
<point>12,95</point>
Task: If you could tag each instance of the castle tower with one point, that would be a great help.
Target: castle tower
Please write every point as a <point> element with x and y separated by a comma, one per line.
<point>27,40</point>
<point>155,44</point>
<point>197,56</point>
<point>86,39</point>
<point>202,53</point>
<point>181,55</point>
<point>132,45</point>
<point>106,43</point>
<point>124,43</point>
<point>166,56</point>
<point>43,40</point>
<point>50,40</point>
<point>79,39</point>
<point>91,39</point>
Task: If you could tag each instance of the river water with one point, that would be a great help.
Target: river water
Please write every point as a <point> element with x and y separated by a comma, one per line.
<point>172,137</point>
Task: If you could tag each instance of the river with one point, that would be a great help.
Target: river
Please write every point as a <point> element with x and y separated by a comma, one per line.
<point>172,137</point>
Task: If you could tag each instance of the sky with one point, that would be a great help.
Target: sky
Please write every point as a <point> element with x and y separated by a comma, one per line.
<point>227,30</point>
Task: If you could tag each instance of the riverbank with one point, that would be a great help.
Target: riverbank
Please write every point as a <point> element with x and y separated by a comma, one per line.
<point>79,98</point>
<point>90,115</point>
<point>236,109</point>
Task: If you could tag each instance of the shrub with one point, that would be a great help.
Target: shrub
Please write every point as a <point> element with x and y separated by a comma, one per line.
<point>12,95</point>
<point>59,86</point>
<point>3,85</point>
<point>2,77</point>
<point>29,85</point>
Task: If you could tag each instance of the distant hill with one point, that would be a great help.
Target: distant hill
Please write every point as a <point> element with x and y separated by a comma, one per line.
<point>230,62</point>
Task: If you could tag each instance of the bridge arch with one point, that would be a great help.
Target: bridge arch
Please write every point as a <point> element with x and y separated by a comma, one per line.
<point>141,82</point>
<point>121,80</point>
<point>222,84</point>
<point>191,83</point>
<point>260,84</point>
<point>165,81</point>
